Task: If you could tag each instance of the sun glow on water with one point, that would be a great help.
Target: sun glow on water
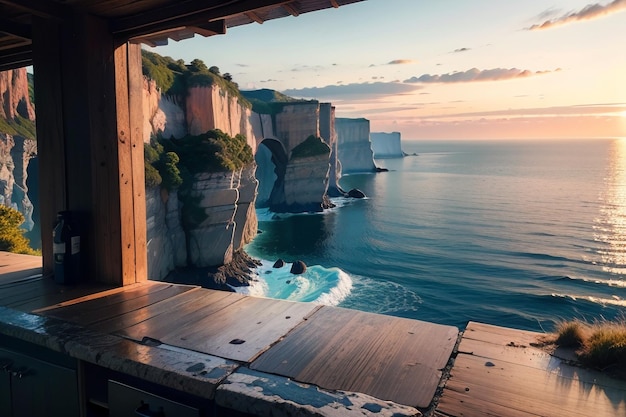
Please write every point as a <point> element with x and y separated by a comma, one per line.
<point>611,226</point>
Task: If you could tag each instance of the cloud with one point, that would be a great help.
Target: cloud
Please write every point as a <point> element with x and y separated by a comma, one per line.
<point>573,110</point>
<point>400,62</point>
<point>360,90</point>
<point>590,11</point>
<point>456,51</point>
<point>474,75</point>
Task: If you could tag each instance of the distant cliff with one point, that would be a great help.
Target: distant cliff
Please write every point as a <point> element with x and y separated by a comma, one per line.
<point>386,145</point>
<point>353,145</point>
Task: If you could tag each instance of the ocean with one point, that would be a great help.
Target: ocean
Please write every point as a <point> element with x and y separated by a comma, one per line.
<point>511,233</point>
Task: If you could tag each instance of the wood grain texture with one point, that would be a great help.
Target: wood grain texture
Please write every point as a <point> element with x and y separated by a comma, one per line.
<point>498,373</point>
<point>210,323</point>
<point>183,317</point>
<point>47,63</point>
<point>390,358</point>
<point>114,305</point>
<point>35,294</point>
<point>163,308</point>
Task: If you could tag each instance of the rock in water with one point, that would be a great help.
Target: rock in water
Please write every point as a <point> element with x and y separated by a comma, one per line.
<point>356,193</point>
<point>279,263</point>
<point>298,267</point>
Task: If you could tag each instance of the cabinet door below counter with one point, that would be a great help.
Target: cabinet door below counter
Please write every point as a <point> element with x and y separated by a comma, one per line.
<point>38,388</point>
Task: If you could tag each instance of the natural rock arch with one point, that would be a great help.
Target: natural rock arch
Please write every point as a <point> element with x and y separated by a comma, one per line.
<point>271,159</point>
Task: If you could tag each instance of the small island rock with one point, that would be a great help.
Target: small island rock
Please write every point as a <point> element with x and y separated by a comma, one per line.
<point>279,263</point>
<point>298,267</point>
<point>356,193</point>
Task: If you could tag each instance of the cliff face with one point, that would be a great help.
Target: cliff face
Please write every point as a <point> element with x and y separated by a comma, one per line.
<point>15,154</point>
<point>16,151</point>
<point>14,98</point>
<point>386,145</point>
<point>225,203</point>
<point>353,145</point>
<point>306,182</point>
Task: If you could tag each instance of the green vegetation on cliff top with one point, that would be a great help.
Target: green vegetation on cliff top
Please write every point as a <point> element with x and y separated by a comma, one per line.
<point>175,78</point>
<point>266,101</point>
<point>312,146</point>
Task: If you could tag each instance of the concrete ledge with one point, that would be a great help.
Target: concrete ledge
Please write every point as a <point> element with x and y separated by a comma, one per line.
<point>264,394</point>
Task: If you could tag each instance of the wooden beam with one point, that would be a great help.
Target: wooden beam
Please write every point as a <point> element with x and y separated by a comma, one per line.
<point>16,61</point>
<point>161,38</point>
<point>217,27</point>
<point>255,17</point>
<point>292,10</point>
<point>16,29</point>
<point>47,62</point>
<point>167,17</point>
<point>9,43</point>
<point>45,9</point>
<point>189,13</point>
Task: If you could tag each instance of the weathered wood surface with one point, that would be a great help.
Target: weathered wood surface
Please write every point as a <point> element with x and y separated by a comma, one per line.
<point>16,267</point>
<point>387,357</point>
<point>499,373</point>
<point>36,293</point>
<point>119,303</point>
<point>224,324</point>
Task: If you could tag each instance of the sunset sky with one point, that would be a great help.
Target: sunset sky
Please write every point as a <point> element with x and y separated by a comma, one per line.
<point>454,69</point>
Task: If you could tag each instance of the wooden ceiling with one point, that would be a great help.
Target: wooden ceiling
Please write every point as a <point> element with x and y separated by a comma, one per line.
<point>149,21</point>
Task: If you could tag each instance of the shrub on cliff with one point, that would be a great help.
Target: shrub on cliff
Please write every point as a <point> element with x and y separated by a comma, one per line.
<point>213,151</point>
<point>11,236</point>
<point>161,168</point>
<point>312,146</point>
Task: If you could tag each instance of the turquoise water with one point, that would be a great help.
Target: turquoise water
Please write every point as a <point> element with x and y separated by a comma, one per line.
<point>517,233</point>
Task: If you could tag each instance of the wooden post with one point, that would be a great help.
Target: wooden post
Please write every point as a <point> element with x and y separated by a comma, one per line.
<point>88,92</point>
<point>129,84</point>
<point>50,132</point>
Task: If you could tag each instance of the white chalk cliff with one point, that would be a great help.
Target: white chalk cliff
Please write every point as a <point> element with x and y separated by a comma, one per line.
<point>354,148</point>
<point>386,145</point>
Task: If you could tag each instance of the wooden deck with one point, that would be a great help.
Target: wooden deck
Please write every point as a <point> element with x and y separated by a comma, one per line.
<point>498,373</point>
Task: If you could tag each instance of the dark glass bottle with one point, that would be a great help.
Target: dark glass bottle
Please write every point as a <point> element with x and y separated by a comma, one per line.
<point>66,249</point>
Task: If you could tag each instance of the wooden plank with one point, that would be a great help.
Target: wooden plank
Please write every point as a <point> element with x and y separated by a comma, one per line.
<point>136,119</point>
<point>186,316</point>
<point>524,389</point>
<point>113,305</point>
<point>387,357</point>
<point>498,335</point>
<point>34,295</point>
<point>168,306</point>
<point>87,297</point>
<point>257,323</point>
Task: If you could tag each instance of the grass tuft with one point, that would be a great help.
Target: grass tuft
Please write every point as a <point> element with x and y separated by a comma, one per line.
<point>571,334</point>
<point>600,345</point>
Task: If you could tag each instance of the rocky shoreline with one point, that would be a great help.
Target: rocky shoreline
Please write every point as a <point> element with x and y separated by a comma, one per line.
<point>237,273</point>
